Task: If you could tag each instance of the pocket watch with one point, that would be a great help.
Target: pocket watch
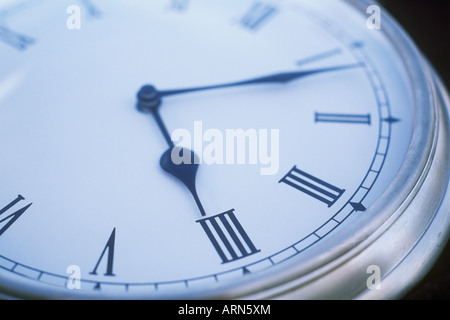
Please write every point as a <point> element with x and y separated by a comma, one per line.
<point>247,149</point>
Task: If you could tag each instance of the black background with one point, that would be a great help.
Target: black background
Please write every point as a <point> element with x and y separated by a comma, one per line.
<point>428,23</point>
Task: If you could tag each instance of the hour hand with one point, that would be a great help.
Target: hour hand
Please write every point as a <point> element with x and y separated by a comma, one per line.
<point>148,101</point>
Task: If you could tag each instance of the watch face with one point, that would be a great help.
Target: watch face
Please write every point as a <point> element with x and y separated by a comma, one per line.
<point>194,149</point>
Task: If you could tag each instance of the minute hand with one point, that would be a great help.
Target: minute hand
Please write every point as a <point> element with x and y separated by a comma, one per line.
<point>279,78</point>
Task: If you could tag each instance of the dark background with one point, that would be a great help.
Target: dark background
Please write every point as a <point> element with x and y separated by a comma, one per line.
<point>428,23</point>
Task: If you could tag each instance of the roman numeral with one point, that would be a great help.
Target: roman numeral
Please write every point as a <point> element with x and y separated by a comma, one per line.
<point>179,5</point>
<point>10,219</point>
<point>110,259</point>
<point>228,236</point>
<point>14,39</point>
<point>257,15</point>
<point>343,118</point>
<point>92,10</point>
<point>312,186</point>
